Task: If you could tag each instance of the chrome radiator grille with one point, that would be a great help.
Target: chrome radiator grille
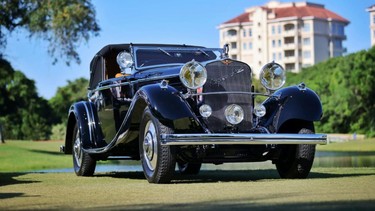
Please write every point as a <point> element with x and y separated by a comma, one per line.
<point>228,76</point>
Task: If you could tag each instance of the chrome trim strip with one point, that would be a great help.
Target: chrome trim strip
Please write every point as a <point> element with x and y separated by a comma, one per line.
<point>89,121</point>
<point>100,88</point>
<point>234,92</point>
<point>245,139</point>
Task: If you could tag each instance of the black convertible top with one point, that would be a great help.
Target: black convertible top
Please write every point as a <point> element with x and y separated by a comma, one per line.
<point>106,58</point>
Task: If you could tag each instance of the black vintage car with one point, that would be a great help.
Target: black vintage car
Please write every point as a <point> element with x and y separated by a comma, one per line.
<point>187,105</point>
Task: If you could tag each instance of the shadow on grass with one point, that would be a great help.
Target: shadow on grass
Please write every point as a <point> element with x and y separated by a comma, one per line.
<point>11,179</point>
<point>46,152</point>
<point>212,176</point>
<point>252,204</point>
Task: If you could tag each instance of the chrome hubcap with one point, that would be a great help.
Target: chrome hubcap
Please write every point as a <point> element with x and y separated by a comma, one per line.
<point>77,150</point>
<point>150,148</point>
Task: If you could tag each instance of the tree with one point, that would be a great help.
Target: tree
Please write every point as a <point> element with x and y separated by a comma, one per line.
<point>23,114</point>
<point>64,24</point>
<point>346,86</point>
<point>65,96</point>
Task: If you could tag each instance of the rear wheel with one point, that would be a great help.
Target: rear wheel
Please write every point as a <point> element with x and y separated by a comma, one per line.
<point>84,164</point>
<point>187,168</point>
<point>296,160</point>
<point>158,162</point>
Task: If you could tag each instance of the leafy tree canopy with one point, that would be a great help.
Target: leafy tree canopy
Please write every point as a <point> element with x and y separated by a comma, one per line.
<point>23,114</point>
<point>346,86</point>
<point>64,24</point>
<point>65,96</point>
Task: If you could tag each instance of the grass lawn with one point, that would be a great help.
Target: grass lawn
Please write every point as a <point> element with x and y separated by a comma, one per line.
<point>326,188</point>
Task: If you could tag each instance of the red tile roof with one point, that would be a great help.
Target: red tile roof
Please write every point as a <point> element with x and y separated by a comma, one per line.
<point>293,11</point>
<point>243,18</point>
<point>308,11</point>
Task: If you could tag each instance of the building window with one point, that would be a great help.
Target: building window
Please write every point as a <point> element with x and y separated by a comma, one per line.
<point>250,45</point>
<point>373,33</point>
<point>373,19</point>
<point>250,33</point>
<point>244,46</point>
<point>273,29</point>
<point>306,41</point>
<point>289,53</point>
<point>244,33</point>
<point>234,56</point>
<point>274,56</point>
<point>306,54</point>
<point>280,56</point>
<point>279,29</point>
<point>279,43</point>
<point>273,43</point>
<point>232,33</point>
<point>259,50</point>
<point>233,45</point>
<point>290,66</point>
<point>337,43</point>
<point>306,27</point>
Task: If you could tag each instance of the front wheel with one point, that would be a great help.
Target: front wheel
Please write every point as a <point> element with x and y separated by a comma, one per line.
<point>295,161</point>
<point>158,162</point>
<point>84,164</point>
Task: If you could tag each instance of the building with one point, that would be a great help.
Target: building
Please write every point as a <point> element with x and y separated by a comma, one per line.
<point>371,10</point>
<point>294,35</point>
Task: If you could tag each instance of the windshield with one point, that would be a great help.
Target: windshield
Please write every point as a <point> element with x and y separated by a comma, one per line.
<point>156,56</point>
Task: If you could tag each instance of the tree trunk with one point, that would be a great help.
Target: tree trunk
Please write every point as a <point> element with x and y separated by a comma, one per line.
<point>1,135</point>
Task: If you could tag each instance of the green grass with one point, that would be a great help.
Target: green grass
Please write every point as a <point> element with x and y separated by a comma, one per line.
<point>21,156</point>
<point>326,188</point>
<point>366,145</point>
<point>16,156</point>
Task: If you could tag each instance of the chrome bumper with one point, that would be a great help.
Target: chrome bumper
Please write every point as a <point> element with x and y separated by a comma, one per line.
<point>246,139</point>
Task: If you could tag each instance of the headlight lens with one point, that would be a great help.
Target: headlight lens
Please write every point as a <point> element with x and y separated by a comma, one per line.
<point>259,110</point>
<point>124,60</point>
<point>272,76</point>
<point>193,75</point>
<point>205,110</point>
<point>234,114</point>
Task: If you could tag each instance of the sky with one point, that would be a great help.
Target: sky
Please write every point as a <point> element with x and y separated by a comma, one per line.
<point>191,22</point>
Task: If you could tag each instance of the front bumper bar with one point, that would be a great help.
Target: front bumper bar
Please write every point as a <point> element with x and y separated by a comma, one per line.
<point>245,139</point>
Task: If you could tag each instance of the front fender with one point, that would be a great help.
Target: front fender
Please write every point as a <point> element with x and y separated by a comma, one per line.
<point>292,103</point>
<point>84,115</point>
<point>167,106</point>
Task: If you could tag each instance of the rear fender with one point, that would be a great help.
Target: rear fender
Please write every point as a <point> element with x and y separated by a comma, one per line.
<point>84,115</point>
<point>291,103</point>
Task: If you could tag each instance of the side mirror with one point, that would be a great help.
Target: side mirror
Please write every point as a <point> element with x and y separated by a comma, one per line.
<point>272,76</point>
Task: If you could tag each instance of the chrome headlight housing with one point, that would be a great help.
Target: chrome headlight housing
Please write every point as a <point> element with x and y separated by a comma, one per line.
<point>124,60</point>
<point>193,75</point>
<point>272,76</point>
<point>234,114</point>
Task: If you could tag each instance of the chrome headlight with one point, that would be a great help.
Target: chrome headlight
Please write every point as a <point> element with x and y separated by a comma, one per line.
<point>124,60</point>
<point>234,114</point>
<point>259,110</point>
<point>193,75</point>
<point>205,110</point>
<point>272,76</point>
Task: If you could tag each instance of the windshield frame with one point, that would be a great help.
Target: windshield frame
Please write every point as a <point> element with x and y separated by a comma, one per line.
<point>166,50</point>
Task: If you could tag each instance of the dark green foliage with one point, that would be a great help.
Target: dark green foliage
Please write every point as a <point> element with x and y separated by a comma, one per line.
<point>64,24</point>
<point>65,96</point>
<point>23,114</point>
<point>346,86</point>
